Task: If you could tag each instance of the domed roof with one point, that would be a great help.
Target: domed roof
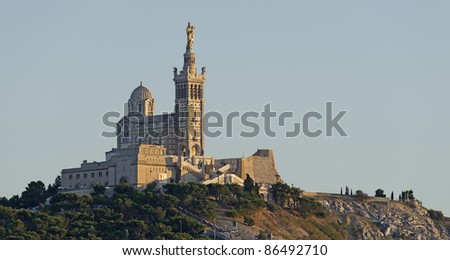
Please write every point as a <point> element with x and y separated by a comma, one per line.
<point>141,93</point>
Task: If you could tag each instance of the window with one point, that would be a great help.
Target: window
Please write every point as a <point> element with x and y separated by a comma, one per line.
<point>70,176</point>
<point>163,178</point>
<point>78,176</point>
<point>85,175</point>
<point>92,174</point>
<point>100,174</point>
<point>107,173</point>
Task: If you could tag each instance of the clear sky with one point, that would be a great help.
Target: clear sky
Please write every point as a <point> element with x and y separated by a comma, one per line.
<point>63,64</point>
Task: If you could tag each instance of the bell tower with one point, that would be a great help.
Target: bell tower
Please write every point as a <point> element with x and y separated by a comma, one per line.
<point>189,102</point>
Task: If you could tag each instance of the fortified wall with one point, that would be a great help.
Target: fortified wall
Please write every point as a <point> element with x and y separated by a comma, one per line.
<point>260,166</point>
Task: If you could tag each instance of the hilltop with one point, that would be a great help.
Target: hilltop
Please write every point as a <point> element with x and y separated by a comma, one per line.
<point>214,211</point>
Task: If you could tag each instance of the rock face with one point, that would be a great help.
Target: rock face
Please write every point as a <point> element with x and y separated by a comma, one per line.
<point>380,218</point>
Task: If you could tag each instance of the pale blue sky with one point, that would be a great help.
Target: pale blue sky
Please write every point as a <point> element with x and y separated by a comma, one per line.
<point>65,63</point>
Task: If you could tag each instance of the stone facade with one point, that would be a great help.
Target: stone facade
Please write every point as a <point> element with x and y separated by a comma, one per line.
<point>260,166</point>
<point>137,166</point>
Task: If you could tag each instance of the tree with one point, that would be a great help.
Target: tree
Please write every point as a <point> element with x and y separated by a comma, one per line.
<point>392,195</point>
<point>53,188</point>
<point>284,195</point>
<point>14,201</point>
<point>341,190</point>
<point>34,194</point>
<point>249,184</point>
<point>4,202</point>
<point>360,193</point>
<point>411,195</point>
<point>380,193</point>
<point>347,191</point>
<point>129,214</point>
<point>309,206</point>
<point>99,189</point>
<point>407,196</point>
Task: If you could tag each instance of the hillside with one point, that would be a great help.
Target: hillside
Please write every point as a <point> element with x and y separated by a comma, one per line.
<point>349,218</point>
<point>214,211</point>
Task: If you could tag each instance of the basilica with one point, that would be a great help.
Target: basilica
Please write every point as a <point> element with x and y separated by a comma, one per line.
<point>165,148</point>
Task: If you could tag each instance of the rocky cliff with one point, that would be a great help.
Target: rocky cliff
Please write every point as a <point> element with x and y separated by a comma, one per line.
<point>347,217</point>
<point>380,218</point>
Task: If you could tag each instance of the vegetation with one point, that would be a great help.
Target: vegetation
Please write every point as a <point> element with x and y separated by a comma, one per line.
<point>128,214</point>
<point>436,215</point>
<point>264,235</point>
<point>360,195</point>
<point>174,212</point>
<point>285,196</point>
<point>249,221</point>
<point>34,195</point>
<point>309,206</point>
<point>439,218</point>
<point>380,193</point>
<point>407,196</point>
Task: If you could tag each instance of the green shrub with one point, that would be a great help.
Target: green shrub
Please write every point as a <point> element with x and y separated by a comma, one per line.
<point>232,213</point>
<point>310,206</point>
<point>273,207</point>
<point>436,215</point>
<point>249,221</point>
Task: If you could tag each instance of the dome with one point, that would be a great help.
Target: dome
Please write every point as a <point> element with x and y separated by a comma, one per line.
<point>141,93</point>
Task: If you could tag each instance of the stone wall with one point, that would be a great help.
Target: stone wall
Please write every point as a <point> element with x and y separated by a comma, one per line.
<point>260,166</point>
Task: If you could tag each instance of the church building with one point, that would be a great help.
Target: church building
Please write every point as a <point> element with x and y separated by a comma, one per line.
<point>168,147</point>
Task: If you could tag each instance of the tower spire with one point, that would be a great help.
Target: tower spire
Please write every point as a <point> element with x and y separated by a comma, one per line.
<point>189,101</point>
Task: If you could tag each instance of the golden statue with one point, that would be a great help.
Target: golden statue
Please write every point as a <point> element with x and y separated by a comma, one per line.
<point>190,36</point>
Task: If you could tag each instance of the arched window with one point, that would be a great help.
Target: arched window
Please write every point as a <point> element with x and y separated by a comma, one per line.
<point>195,151</point>
<point>140,108</point>
<point>123,180</point>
